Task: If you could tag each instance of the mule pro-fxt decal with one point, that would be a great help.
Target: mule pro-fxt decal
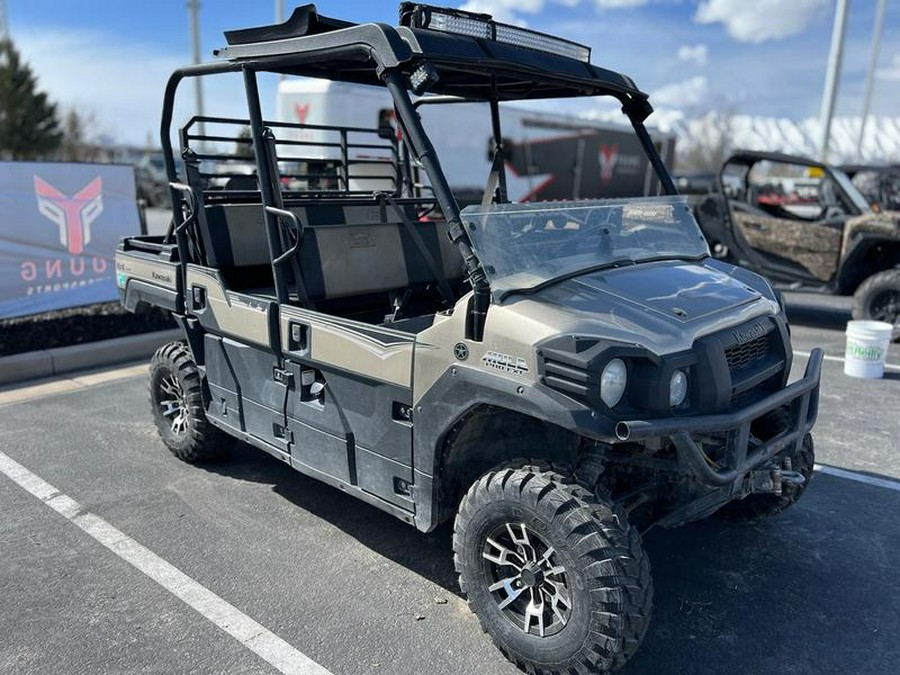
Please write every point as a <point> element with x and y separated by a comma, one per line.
<point>506,363</point>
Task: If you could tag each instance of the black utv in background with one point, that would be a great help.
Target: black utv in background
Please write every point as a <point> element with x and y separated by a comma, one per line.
<point>805,226</point>
<point>880,184</point>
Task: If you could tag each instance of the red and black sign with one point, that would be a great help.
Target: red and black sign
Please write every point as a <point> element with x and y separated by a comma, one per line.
<point>59,227</point>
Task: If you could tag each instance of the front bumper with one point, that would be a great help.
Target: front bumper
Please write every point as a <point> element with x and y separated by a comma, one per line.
<point>801,398</point>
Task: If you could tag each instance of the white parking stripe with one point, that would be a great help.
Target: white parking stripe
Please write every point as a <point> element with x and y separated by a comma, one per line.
<point>238,625</point>
<point>885,483</point>
<point>840,359</point>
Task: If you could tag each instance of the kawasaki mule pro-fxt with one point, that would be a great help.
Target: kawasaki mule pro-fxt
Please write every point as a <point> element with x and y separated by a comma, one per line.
<point>556,377</point>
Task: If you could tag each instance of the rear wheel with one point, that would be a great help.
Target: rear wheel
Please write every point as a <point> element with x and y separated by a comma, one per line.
<point>878,299</point>
<point>176,398</point>
<point>558,578</point>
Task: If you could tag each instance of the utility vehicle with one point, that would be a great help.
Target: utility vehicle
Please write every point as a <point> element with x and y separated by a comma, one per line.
<point>806,226</point>
<point>553,377</point>
<point>879,184</point>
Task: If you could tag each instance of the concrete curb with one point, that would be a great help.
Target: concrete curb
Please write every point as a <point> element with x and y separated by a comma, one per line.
<point>61,360</point>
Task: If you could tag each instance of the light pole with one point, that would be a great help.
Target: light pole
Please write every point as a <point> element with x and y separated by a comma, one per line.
<point>4,29</point>
<point>870,78</point>
<point>279,18</point>
<point>831,77</point>
<point>194,9</point>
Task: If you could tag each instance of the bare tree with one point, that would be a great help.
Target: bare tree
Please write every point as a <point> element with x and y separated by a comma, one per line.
<point>81,137</point>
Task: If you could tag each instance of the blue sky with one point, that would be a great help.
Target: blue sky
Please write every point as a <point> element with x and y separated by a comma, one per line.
<point>759,57</point>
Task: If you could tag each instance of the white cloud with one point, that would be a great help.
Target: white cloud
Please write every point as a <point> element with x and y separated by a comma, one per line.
<point>681,95</point>
<point>697,54</point>
<point>505,10</point>
<point>761,20</point>
<point>121,84</point>
<point>510,11</point>
<point>892,72</point>
<point>619,4</point>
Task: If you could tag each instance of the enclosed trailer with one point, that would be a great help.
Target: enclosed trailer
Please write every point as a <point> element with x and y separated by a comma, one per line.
<point>549,156</point>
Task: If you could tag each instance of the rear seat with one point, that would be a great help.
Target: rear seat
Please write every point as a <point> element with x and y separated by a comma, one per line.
<point>347,250</point>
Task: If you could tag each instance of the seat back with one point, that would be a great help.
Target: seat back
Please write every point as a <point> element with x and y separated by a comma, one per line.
<point>347,250</point>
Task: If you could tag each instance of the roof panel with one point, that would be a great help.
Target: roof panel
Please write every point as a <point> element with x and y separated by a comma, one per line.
<point>467,66</point>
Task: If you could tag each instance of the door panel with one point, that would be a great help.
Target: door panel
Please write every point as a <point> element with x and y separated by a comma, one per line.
<point>388,479</point>
<point>811,248</point>
<point>243,392</point>
<point>321,451</point>
<point>245,317</point>
<point>350,383</point>
<point>371,351</point>
<point>369,411</point>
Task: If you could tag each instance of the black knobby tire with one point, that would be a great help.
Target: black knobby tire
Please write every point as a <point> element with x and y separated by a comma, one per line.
<point>878,298</point>
<point>176,399</point>
<point>759,506</point>
<point>605,571</point>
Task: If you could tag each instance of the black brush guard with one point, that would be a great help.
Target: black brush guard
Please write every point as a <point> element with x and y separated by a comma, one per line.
<point>801,398</point>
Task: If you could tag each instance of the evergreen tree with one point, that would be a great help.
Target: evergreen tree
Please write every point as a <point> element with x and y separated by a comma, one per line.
<point>244,146</point>
<point>29,126</point>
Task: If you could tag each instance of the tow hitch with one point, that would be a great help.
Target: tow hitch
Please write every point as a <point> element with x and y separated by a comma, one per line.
<point>772,481</point>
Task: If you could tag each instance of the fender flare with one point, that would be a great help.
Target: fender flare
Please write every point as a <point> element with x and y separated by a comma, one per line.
<point>848,278</point>
<point>462,389</point>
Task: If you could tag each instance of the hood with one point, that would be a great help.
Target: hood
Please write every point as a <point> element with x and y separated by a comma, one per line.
<point>884,219</point>
<point>885,224</point>
<point>661,305</point>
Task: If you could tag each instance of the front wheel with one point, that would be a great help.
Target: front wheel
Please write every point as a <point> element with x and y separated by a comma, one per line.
<point>558,579</point>
<point>878,298</point>
<point>176,398</point>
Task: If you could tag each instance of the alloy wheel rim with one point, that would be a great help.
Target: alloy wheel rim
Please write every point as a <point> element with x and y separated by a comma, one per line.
<point>526,580</point>
<point>173,404</point>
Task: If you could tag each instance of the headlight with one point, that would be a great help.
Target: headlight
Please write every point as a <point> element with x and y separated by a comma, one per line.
<point>678,388</point>
<point>612,382</point>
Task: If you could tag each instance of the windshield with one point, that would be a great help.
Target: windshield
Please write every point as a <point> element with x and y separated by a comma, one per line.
<point>524,246</point>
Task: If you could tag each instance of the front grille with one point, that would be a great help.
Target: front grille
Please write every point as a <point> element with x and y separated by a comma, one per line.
<point>751,396</point>
<point>751,360</point>
<point>743,355</point>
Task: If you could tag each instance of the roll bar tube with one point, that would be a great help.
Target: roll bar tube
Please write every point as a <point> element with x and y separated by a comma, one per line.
<point>165,133</point>
<point>415,136</point>
<point>653,155</point>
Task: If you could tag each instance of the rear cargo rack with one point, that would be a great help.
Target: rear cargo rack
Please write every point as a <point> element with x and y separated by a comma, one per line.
<point>311,159</point>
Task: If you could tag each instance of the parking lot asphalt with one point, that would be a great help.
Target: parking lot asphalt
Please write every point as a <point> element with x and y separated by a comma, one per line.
<point>812,591</point>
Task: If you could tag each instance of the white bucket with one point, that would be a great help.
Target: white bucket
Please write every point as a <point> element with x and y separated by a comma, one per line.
<point>867,346</point>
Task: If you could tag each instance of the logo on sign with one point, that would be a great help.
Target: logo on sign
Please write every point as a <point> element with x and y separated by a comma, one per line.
<point>302,110</point>
<point>611,161</point>
<point>72,215</point>
<point>609,155</point>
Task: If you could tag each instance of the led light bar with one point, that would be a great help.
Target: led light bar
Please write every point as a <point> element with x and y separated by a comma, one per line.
<point>484,27</point>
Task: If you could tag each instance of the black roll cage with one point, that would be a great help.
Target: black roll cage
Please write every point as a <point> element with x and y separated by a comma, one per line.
<point>383,55</point>
<point>750,158</point>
